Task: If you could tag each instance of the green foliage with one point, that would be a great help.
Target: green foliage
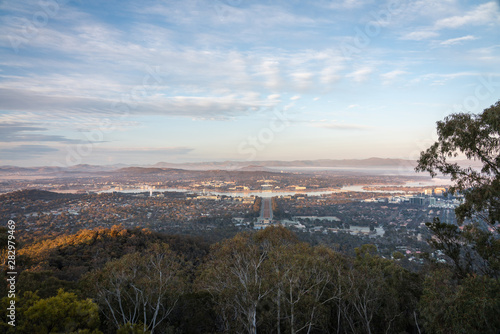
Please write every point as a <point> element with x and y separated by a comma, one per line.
<point>274,236</point>
<point>256,206</point>
<point>3,238</point>
<point>382,295</point>
<point>194,313</point>
<point>397,255</point>
<point>21,303</point>
<point>465,298</point>
<point>44,282</point>
<point>449,239</point>
<point>129,328</point>
<point>470,307</point>
<point>478,138</point>
<point>139,287</point>
<point>268,281</point>
<point>63,313</point>
<point>236,277</point>
<point>71,256</point>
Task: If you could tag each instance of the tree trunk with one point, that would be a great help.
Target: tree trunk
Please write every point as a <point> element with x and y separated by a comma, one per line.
<point>252,326</point>
<point>278,325</point>
<point>292,313</point>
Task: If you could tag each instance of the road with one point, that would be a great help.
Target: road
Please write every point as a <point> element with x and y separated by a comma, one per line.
<point>266,211</point>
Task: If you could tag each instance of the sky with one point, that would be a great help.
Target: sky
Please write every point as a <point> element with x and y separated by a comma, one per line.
<point>139,82</point>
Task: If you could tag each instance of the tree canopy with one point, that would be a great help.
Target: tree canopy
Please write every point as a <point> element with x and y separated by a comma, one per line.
<point>477,136</point>
<point>466,299</point>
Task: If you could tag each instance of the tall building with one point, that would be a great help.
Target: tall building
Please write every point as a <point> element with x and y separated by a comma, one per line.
<point>439,191</point>
<point>417,200</point>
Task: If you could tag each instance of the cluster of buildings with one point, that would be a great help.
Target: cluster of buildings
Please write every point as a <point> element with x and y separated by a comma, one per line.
<point>432,197</point>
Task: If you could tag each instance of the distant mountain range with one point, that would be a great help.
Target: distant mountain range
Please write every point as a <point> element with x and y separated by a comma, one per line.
<point>260,165</point>
<point>82,168</point>
<point>270,165</point>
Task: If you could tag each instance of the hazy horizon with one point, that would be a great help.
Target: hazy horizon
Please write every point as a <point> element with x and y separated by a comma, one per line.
<point>197,81</point>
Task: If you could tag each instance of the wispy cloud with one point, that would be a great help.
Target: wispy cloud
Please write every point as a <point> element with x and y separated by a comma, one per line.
<point>458,40</point>
<point>177,62</point>
<point>25,152</point>
<point>333,125</point>
<point>391,76</point>
<point>442,78</point>
<point>176,150</point>
<point>360,75</point>
<point>188,106</point>
<point>26,132</point>
<point>420,35</point>
<point>348,4</point>
<point>85,90</point>
<point>481,15</point>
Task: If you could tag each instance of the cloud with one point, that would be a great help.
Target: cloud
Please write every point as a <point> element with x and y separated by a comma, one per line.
<point>21,132</point>
<point>158,89</point>
<point>274,97</point>
<point>331,74</point>
<point>440,78</point>
<point>339,126</point>
<point>392,75</point>
<point>176,150</point>
<point>483,14</point>
<point>348,4</point>
<point>420,35</point>
<point>188,106</point>
<point>360,75</point>
<point>302,81</point>
<point>224,14</point>
<point>295,98</point>
<point>25,152</point>
<point>458,40</point>
<point>487,54</point>
<point>90,64</point>
<point>98,154</point>
<point>216,63</point>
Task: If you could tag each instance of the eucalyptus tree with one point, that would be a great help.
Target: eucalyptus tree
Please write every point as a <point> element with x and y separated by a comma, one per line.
<point>140,288</point>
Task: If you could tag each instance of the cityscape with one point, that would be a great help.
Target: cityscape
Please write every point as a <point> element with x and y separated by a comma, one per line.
<point>370,208</point>
<point>250,167</point>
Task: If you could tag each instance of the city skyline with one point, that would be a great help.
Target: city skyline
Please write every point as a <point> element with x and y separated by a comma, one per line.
<point>140,83</point>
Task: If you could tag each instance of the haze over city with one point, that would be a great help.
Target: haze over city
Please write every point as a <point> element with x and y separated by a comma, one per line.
<point>142,82</point>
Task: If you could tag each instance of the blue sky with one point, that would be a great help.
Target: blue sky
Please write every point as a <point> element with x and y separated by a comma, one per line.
<point>104,82</point>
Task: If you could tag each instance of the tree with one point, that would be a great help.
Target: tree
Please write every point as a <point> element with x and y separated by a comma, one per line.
<point>140,288</point>
<point>238,280</point>
<point>466,300</point>
<point>241,274</point>
<point>478,138</point>
<point>62,313</point>
<point>476,249</point>
<point>302,277</point>
<point>470,307</point>
<point>277,241</point>
<point>378,296</point>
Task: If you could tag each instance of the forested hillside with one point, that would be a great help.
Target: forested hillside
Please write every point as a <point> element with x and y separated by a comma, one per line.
<point>135,281</point>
